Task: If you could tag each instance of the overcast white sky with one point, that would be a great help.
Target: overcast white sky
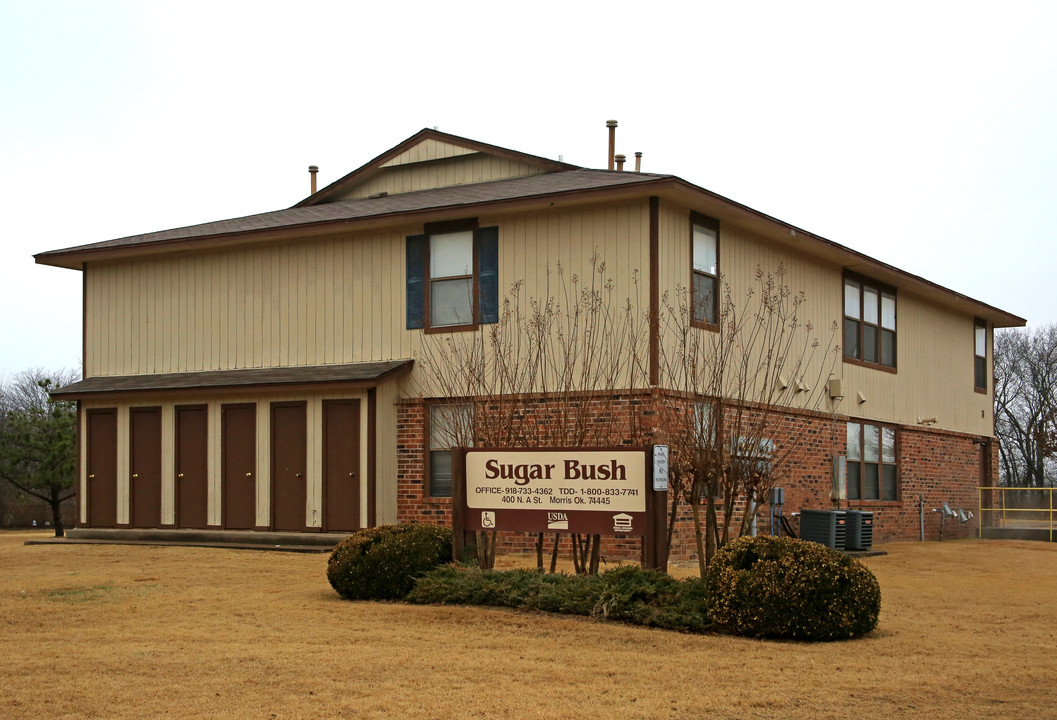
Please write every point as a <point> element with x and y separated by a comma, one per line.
<point>921,133</point>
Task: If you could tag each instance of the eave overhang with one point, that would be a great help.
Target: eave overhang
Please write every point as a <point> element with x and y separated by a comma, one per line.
<point>637,188</point>
<point>315,377</point>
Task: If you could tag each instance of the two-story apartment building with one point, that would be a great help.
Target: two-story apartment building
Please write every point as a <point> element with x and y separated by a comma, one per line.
<point>259,372</point>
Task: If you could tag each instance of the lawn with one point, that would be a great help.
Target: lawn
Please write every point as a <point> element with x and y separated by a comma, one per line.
<point>968,629</point>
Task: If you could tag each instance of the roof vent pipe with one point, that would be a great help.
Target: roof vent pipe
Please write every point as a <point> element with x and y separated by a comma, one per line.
<point>620,162</point>
<point>638,162</point>
<point>312,170</point>
<point>612,125</point>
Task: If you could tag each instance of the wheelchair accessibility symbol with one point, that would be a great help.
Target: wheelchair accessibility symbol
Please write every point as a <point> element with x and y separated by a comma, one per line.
<point>487,519</point>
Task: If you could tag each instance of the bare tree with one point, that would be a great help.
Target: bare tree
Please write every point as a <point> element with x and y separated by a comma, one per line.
<point>743,394</point>
<point>1025,365</point>
<point>561,370</point>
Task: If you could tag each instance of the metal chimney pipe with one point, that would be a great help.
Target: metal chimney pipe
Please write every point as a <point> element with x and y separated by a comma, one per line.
<point>612,125</point>
<point>312,170</point>
<point>638,162</point>
<point>620,162</point>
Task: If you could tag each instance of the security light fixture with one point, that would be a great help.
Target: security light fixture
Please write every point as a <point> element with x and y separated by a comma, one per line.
<point>947,512</point>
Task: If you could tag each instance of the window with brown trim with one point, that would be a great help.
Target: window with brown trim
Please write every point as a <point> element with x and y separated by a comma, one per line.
<point>704,280</point>
<point>869,322</point>
<point>873,470</point>
<point>449,425</point>
<point>452,276</point>
<point>980,354</point>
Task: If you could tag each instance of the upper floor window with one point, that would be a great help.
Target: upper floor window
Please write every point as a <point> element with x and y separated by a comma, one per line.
<point>980,359</point>
<point>453,276</point>
<point>451,297</point>
<point>869,322</point>
<point>872,469</point>
<point>704,238</point>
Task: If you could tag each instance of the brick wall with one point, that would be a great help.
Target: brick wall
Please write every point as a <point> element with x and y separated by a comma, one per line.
<point>939,466</point>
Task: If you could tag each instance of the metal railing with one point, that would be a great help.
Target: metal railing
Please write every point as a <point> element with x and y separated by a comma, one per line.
<point>1018,508</point>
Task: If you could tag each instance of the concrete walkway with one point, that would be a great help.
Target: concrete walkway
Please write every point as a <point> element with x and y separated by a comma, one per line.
<point>237,539</point>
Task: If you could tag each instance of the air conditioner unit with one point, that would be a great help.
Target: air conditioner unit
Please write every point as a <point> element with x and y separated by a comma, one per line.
<point>824,526</point>
<point>859,530</point>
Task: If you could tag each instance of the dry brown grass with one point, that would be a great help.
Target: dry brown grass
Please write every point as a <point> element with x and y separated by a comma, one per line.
<point>967,631</point>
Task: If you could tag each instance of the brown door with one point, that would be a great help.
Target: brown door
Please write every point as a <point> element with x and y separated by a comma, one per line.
<point>341,464</point>
<point>238,452</point>
<point>144,464</point>
<point>191,466</point>
<point>102,468</point>
<point>289,496</point>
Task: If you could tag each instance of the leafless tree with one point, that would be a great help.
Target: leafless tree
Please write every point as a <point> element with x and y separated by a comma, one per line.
<point>744,392</point>
<point>1025,365</point>
<point>560,370</point>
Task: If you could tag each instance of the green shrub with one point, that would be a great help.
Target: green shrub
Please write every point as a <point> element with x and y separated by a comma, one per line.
<point>651,598</point>
<point>382,563</point>
<point>787,588</point>
<point>629,594</point>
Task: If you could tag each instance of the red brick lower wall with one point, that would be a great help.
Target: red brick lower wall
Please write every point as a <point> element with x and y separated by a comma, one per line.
<point>934,465</point>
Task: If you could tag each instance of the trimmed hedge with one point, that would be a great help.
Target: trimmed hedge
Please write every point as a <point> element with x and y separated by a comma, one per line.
<point>787,588</point>
<point>382,563</point>
<point>628,594</point>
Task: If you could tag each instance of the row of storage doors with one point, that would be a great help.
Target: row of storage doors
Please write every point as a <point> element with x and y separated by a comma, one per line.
<point>238,482</point>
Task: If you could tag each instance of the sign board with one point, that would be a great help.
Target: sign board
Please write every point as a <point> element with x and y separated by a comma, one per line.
<point>577,490</point>
<point>660,468</point>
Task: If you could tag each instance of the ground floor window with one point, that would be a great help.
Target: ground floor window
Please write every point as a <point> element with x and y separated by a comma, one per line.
<point>872,469</point>
<point>450,425</point>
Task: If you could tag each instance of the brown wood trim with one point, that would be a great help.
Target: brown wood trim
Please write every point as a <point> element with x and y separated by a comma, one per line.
<point>256,471</point>
<point>231,386</point>
<point>372,457</point>
<point>450,328</point>
<point>324,519</point>
<point>882,288</point>
<point>446,226</point>
<point>898,430</point>
<point>374,166</point>
<point>449,226</point>
<point>712,223</point>
<point>655,291</point>
<point>176,456</point>
<point>867,280</point>
<point>78,438</point>
<point>271,471</point>
<point>84,319</point>
<point>978,323</point>
<point>131,440</point>
<point>874,366</point>
<point>87,499</point>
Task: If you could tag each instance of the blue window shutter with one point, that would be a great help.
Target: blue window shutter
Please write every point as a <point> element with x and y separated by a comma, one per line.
<point>416,281</point>
<point>488,274</point>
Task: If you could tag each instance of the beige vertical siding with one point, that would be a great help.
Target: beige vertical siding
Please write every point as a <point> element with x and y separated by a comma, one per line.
<point>935,348</point>
<point>429,149</point>
<point>327,301</point>
<point>386,459</point>
<point>334,301</point>
<point>419,175</point>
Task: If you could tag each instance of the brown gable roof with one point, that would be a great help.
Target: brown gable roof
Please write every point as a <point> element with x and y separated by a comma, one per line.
<point>362,208</point>
<point>375,165</point>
